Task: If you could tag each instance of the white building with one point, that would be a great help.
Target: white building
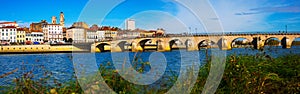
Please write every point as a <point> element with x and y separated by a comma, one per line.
<point>53,32</point>
<point>78,35</point>
<point>100,35</point>
<point>5,24</point>
<point>37,37</point>
<point>91,36</point>
<point>130,24</point>
<point>8,34</point>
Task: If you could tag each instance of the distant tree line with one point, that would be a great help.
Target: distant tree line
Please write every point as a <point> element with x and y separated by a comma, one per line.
<point>296,43</point>
<point>240,42</point>
<point>272,42</point>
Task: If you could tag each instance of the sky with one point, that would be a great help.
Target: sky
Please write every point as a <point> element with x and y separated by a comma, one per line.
<point>173,16</point>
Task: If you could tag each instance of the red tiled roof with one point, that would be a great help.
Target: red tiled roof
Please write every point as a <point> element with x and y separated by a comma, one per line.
<point>9,27</point>
<point>8,22</point>
<point>53,24</point>
<point>23,29</point>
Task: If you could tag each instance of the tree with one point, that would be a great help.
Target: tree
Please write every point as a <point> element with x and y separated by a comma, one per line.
<point>70,40</point>
<point>65,39</point>
<point>272,42</point>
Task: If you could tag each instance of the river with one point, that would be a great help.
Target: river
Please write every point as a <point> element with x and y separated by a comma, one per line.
<point>60,65</point>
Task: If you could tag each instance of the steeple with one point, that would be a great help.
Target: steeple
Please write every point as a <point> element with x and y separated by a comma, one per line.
<point>53,20</point>
<point>62,19</point>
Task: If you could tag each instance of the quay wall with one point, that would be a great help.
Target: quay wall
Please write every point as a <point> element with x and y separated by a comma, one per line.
<point>38,49</point>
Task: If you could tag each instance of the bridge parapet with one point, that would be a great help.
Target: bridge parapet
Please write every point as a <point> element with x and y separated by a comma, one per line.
<point>165,43</point>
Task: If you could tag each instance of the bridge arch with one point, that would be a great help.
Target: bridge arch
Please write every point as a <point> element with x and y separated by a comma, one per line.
<point>240,41</point>
<point>140,44</point>
<point>224,44</point>
<point>296,41</point>
<point>124,45</point>
<point>272,41</point>
<point>101,47</point>
<point>176,42</point>
<point>205,43</point>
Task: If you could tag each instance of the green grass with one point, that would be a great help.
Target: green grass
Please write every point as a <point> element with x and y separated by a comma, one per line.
<point>243,74</point>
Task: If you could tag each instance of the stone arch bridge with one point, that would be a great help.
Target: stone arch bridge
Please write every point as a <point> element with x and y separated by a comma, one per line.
<point>191,43</point>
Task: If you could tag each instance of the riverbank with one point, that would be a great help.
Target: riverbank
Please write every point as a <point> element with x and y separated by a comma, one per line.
<point>22,49</point>
<point>259,73</point>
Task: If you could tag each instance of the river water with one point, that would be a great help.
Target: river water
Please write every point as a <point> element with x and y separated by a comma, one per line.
<point>60,65</point>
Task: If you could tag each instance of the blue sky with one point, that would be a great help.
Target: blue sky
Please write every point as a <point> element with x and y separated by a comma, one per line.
<point>234,15</point>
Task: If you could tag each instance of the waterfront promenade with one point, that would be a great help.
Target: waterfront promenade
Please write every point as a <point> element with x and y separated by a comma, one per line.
<point>40,49</point>
<point>162,44</point>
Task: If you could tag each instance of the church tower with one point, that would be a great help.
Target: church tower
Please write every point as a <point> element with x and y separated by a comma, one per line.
<point>62,19</point>
<point>53,20</point>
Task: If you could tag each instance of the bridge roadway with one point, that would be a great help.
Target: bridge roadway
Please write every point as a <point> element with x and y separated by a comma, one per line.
<point>195,42</point>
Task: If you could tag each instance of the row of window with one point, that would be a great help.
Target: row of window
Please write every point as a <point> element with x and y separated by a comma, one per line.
<point>8,30</point>
<point>20,36</point>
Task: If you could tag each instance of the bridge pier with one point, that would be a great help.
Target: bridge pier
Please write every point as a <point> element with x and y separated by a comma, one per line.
<point>115,47</point>
<point>258,43</point>
<point>286,43</point>
<point>224,44</point>
<point>136,48</point>
<point>163,46</point>
<point>93,48</point>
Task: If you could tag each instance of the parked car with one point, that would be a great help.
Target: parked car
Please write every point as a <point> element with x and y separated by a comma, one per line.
<point>36,43</point>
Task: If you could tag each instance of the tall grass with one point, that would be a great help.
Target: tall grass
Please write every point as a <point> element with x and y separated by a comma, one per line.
<point>243,74</point>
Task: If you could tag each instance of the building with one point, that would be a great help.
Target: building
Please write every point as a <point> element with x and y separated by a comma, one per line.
<point>21,33</point>
<point>100,35</point>
<point>53,32</point>
<point>8,34</point>
<point>110,33</point>
<point>150,33</point>
<point>91,36</point>
<point>28,38</point>
<point>160,32</point>
<point>5,24</point>
<point>64,32</point>
<point>123,34</point>
<point>130,24</point>
<point>37,37</point>
<point>62,19</point>
<point>76,34</point>
<point>80,25</point>
<point>34,38</point>
<point>37,27</point>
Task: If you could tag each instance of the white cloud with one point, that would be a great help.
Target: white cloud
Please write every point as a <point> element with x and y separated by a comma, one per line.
<point>227,11</point>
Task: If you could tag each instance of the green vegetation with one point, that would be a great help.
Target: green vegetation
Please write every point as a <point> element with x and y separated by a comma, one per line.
<point>257,74</point>
<point>243,74</point>
<point>272,42</point>
<point>296,43</point>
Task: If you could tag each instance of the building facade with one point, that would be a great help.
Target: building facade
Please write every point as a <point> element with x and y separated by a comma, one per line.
<point>100,35</point>
<point>110,33</point>
<point>53,32</point>
<point>37,27</point>
<point>37,37</point>
<point>78,35</point>
<point>8,34</point>
<point>91,36</point>
<point>21,33</point>
<point>130,24</point>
